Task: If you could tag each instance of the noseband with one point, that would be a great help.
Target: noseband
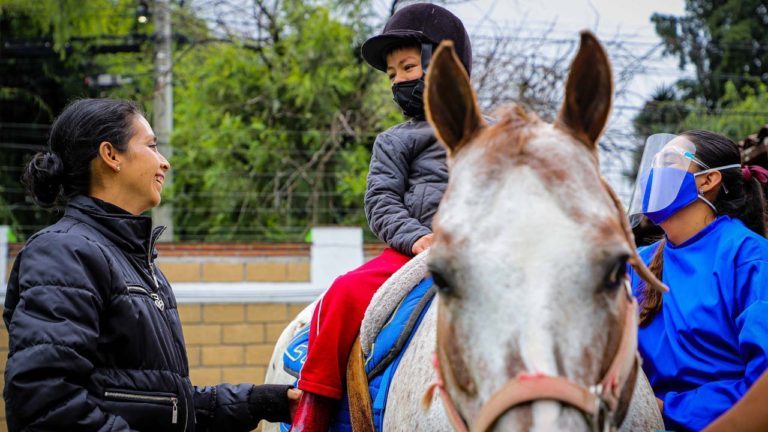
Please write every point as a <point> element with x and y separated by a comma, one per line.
<point>600,401</point>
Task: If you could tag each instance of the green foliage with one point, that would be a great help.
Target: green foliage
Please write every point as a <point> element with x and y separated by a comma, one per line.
<point>737,115</point>
<point>64,19</point>
<point>272,134</point>
<point>725,40</point>
<point>726,43</point>
<point>269,141</point>
<point>47,68</point>
<point>663,113</point>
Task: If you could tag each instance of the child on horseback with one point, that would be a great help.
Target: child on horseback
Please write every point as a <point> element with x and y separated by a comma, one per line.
<point>406,180</point>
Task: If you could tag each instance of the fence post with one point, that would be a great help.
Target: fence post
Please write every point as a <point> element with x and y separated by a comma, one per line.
<point>335,251</point>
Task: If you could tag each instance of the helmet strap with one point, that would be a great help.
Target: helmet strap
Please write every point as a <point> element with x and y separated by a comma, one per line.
<point>426,56</point>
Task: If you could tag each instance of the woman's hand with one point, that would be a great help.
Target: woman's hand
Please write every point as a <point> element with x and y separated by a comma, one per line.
<point>294,395</point>
<point>661,405</point>
<point>422,244</point>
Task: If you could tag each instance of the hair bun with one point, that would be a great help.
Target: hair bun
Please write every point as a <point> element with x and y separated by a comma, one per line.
<point>43,177</point>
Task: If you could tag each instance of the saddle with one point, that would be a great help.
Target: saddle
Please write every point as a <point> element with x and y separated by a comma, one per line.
<point>390,321</point>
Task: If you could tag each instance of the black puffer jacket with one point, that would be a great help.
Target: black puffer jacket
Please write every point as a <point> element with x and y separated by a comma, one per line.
<point>406,181</point>
<point>95,337</point>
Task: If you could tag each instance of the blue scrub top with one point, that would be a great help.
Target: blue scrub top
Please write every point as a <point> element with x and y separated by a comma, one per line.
<point>709,342</point>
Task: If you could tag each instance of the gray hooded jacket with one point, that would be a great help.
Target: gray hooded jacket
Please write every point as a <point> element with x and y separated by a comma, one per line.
<point>406,181</point>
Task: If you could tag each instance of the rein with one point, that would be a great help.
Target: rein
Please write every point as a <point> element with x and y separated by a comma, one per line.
<point>601,399</point>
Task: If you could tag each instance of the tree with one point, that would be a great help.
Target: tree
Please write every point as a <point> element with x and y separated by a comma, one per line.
<point>274,107</point>
<point>663,113</point>
<point>273,132</point>
<point>724,40</point>
<point>47,58</point>
<point>737,114</point>
<point>726,43</point>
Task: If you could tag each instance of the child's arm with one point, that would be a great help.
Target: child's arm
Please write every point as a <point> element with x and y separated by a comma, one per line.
<point>385,209</point>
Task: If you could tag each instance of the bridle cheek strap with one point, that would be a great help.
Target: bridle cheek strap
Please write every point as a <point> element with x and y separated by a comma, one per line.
<point>626,356</point>
<point>454,417</point>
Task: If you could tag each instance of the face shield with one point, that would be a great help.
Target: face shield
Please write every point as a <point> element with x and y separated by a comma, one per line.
<point>663,180</point>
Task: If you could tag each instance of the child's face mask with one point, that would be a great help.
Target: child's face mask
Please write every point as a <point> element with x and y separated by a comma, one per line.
<point>409,95</point>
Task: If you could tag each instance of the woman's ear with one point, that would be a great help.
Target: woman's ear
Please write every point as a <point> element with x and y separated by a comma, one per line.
<point>110,156</point>
<point>711,181</point>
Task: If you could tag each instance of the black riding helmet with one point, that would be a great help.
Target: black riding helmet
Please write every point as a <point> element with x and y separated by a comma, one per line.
<point>423,23</point>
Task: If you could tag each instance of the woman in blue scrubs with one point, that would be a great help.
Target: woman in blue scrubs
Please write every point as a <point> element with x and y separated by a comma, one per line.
<point>705,342</point>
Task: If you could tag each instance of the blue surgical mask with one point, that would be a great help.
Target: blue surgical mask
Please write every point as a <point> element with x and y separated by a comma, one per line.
<point>684,195</point>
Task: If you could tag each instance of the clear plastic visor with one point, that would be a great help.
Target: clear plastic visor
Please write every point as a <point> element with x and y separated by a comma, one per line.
<point>664,164</point>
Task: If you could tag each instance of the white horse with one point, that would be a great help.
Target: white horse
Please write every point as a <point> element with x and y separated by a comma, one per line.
<point>533,326</point>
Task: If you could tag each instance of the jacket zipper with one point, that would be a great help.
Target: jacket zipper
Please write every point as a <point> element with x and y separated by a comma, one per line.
<point>158,301</point>
<point>135,397</point>
<point>152,239</point>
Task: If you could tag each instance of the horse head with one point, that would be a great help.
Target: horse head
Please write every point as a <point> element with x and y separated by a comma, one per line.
<point>530,255</point>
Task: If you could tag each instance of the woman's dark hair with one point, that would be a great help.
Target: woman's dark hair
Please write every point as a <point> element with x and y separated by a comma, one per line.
<point>745,200</point>
<point>65,169</point>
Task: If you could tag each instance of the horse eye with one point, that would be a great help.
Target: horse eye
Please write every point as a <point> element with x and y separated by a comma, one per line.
<point>616,273</point>
<point>441,283</point>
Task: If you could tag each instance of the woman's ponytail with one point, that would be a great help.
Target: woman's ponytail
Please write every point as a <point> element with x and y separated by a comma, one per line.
<point>754,216</point>
<point>650,298</point>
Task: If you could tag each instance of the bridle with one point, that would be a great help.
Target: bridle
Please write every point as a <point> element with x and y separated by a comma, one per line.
<point>600,401</point>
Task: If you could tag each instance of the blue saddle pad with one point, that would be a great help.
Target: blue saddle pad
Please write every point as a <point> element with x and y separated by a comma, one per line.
<point>381,364</point>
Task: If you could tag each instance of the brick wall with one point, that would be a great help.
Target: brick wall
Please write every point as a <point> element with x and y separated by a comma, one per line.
<point>227,342</point>
<point>233,342</point>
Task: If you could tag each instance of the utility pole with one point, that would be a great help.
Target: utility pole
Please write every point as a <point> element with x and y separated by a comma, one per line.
<point>163,105</point>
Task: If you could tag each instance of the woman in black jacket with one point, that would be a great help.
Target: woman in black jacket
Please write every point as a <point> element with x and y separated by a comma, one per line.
<point>95,336</point>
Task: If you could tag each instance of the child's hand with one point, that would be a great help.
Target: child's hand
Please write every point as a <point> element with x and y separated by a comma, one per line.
<point>422,244</point>
<point>294,395</point>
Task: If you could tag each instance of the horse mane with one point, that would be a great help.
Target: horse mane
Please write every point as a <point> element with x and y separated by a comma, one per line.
<point>512,130</point>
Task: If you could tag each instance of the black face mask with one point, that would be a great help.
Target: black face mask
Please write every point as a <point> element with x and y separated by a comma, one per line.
<point>409,96</point>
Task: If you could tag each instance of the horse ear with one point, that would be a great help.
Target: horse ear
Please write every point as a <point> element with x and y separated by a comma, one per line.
<point>588,93</point>
<point>450,102</point>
